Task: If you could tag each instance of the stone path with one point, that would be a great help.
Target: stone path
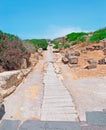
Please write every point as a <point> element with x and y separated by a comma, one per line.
<point>58,112</point>
<point>25,102</point>
<point>57,102</point>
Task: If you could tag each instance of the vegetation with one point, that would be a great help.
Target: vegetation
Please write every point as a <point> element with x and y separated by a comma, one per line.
<point>11,52</point>
<point>39,43</point>
<point>98,35</point>
<point>66,45</point>
<point>56,46</point>
<point>60,45</point>
<point>76,36</point>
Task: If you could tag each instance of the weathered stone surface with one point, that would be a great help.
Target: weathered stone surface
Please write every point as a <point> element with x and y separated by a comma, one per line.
<point>73,65</point>
<point>90,67</point>
<point>92,61</point>
<point>9,80</point>
<point>33,58</point>
<point>40,52</point>
<point>83,50</point>
<point>65,60</point>
<point>90,48</point>
<point>104,50</point>
<point>7,92</point>
<point>56,50</point>
<point>72,53</point>
<point>96,118</point>
<point>24,63</point>
<point>9,125</point>
<point>1,69</point>
<point>93,127</point>
<point>102,61</point>
<point>2,110</point>
<point>73,59</point>
<point>1,98</point>
<point>61,125</point>
<point>98,47</point>
<point>32,125</point>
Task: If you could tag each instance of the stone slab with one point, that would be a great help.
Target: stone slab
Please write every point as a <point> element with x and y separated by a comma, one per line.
<point>63,126</point>
<point>9,125</point>
<point>32,125</point>
<point>96,118</point>
<point>93,127</point>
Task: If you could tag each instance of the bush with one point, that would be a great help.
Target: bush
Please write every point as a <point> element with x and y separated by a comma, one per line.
<point>74,43</point>
<point>39,43</point>
<point>75,36</point>
<point>56,46</point>
<point>11,52</point>
<point>98,35</point>
<point>66,45</point>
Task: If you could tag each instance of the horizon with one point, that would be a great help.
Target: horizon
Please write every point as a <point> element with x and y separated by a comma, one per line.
<point>49,19</point>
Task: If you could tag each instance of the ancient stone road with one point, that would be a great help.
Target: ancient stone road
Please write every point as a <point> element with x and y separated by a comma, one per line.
<point>57,102</point>
<point>42,96</point>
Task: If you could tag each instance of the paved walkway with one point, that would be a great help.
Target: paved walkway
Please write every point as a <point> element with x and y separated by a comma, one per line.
<point>57,103</point>
<point>25,102</point>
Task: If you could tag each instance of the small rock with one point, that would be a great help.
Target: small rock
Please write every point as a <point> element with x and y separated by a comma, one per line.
<point>104,50</point>
<point>98,47</point>
<point>65,60</point>
<point>73,59</point>
<point>91,67</point>
<point>24,64</point>
<point>56,50</point>
<point>102,61</point>
<point>73,65</point>
<point>90,48</point>
<point>92,61</point>
<point>40,51</point>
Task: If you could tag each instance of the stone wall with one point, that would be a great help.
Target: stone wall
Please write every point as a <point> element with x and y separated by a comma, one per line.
<point>10,80</point>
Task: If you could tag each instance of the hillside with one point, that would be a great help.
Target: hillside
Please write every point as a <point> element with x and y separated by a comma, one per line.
<point>83,37</point>
<point>38,43</point>
<point>12,52</point>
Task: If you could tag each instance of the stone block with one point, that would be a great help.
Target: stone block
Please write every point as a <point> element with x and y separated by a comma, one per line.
<point>90,67</point>
<point>73,59</point>
<point>65,60</point>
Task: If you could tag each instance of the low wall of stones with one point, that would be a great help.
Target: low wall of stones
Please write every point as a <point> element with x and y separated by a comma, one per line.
<point>10,80</point>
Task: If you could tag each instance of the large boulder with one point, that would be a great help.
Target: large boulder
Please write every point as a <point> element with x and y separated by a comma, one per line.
<point>73,59</point>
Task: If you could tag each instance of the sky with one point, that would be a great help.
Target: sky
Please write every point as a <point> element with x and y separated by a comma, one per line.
<point>51,18</point>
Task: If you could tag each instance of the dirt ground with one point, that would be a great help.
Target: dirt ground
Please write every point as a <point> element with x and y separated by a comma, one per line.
<point>80,71</point>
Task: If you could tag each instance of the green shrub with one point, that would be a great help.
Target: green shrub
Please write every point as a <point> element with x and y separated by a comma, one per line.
<point>98,35</point>
<point>56,46</point>
<point>39,43</point>
<point>82,39</point>
<point>75,36</point>
<point>74,42</point>
<point>10,37</point>
<point>66,45</point>
<point>1,40</point>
